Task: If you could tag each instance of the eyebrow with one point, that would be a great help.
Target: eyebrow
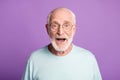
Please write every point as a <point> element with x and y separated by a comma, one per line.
<point>54,22</point>
<point>65,22</point>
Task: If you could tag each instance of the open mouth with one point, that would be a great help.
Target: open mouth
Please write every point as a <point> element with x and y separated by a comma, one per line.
<point>61,39</point>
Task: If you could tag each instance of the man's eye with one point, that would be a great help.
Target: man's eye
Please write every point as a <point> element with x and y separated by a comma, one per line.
<point>66,25</point>
<point>54,25</point>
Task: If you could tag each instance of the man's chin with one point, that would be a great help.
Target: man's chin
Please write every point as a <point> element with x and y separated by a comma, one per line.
<point>60,47</point>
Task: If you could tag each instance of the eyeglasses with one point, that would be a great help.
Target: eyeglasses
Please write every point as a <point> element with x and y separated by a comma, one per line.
<point>66,27</point>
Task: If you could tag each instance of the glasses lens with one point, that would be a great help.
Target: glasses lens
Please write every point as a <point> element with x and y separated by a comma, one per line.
<point>67,27</point>
<point>54,26</point>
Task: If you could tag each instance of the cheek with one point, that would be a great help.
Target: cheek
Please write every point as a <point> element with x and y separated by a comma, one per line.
<point>70,34</point>
<point>52,34</point>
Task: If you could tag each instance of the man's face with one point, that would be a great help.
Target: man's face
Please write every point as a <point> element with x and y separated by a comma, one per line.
<point>60,38</point>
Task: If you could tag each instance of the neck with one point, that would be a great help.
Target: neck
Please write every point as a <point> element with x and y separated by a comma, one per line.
<point>59,53</point>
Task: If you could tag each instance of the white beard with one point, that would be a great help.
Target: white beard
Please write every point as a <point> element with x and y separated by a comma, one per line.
<point>65,47</point>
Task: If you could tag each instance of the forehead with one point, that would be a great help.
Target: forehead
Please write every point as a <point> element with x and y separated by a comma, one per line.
<point>61,16</point>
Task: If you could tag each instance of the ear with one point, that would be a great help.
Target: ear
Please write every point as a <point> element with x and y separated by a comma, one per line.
<point>47,28</point>
<point>74,29</point>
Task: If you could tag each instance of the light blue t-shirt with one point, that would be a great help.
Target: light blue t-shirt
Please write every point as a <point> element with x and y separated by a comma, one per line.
<point>79,64</point>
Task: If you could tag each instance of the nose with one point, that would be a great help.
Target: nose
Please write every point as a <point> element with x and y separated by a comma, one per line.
<point>60,30</point>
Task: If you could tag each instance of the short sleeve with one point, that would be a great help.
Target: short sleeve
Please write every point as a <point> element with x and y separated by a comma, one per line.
<point>28,75</point>
<point>97,75</point>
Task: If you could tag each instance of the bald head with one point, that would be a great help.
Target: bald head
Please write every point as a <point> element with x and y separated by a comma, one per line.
<point>61,11</point>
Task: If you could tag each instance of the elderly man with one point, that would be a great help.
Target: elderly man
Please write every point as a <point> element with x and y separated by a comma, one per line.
<point>62,60</point>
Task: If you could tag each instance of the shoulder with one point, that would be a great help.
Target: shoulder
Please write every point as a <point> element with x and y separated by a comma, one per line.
<point>84,54</point>
<point>82,51</point>
<point>39,53</point>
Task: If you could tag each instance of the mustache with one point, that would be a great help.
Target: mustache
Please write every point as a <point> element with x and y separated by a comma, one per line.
<point>60,37</point>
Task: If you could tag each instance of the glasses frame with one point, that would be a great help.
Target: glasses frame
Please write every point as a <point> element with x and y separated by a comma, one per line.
<point>58,26</point>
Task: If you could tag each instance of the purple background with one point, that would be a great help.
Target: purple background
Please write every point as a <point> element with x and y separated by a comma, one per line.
<point>22,30</point>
